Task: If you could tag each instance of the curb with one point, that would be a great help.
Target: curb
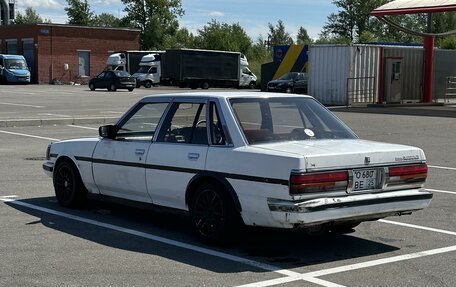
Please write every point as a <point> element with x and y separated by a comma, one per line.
<point>51,122</point>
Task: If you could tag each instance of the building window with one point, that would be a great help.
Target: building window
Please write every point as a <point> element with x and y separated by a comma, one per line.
<point>11,47</point>
<point>84,63</point>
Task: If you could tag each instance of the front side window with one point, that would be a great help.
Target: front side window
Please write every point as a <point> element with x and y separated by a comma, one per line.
<point>287,119</point>
<point>143,123</point>
<point>185,124</point>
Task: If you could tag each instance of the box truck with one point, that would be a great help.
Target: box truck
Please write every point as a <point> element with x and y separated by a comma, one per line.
<point>205,68</point>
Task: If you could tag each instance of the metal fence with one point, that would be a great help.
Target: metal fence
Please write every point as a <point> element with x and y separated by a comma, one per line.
<point>450,90</point>
<point>361,90</point>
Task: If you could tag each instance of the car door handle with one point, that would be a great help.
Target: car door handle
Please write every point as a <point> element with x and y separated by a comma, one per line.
<point>193,156</point>
<point>140,151</point>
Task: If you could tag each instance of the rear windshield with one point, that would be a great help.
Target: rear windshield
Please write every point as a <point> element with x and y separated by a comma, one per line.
<point>287,119</point>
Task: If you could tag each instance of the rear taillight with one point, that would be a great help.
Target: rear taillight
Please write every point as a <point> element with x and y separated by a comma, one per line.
<point>318,182</point>
<point>407,174</point>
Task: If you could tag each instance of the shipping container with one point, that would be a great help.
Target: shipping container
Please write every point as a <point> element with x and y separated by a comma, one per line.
<point>342,75</point>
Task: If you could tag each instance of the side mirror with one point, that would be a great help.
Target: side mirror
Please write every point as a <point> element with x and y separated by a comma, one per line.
<point>108,131</point>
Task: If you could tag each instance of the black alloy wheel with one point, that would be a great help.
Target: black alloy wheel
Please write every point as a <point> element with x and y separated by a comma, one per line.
<point>212,213</point>
<point>68,186</point>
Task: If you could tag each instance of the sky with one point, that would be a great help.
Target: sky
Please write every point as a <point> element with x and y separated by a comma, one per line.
<point>252,15</point>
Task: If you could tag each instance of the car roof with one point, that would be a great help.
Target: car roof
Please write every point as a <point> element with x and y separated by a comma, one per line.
<point>224,95</point>
<point>13,57</point>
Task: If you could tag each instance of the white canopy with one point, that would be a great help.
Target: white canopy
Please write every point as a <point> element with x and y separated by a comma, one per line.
<point>399,7</point>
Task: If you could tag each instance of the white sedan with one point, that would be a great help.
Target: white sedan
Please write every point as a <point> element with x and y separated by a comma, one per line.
<point>242,158</point>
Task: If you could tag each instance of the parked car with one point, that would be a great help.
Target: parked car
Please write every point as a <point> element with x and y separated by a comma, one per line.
<point>113,80</point>
<point>292,82</point>
<point>233,158</point>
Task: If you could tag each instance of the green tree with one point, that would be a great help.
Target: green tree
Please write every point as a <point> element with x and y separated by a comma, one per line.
<point>222,36</point>
<point>157,20</point>
<point>30,17</point>
<point>303,37</point>
<point>278,35</point>
<point>444,22</point>
<point>79,12</point>
<point>352,19</point>
<point>182,39</point>
<point>448,43</point>
<point>106,20</point>
<point>367,37</point>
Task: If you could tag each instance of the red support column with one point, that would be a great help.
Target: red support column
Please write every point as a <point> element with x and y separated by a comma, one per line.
<point>428,68</point>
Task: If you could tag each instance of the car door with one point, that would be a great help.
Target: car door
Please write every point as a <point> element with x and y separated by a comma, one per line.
<point>108,78</point>
<point>301,83</point>
<point>178,153</point>
<point>119,163</point>
<point>98,81</point>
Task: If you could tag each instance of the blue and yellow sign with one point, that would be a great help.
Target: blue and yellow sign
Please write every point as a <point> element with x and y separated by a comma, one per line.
<point>292,58</point>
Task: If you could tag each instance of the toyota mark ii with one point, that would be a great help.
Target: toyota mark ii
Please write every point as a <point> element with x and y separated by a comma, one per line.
<point>242,158</point>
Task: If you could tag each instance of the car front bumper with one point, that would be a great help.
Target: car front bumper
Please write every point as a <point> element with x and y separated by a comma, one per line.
<point>361,207</point>
<point>48,168</point>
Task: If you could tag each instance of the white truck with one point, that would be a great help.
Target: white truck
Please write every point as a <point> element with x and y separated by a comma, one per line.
<point>195,68</point>
<point>127,60</point>
<point>149,72</point>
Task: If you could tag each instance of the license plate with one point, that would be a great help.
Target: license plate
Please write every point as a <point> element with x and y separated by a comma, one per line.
<point>365,179</point>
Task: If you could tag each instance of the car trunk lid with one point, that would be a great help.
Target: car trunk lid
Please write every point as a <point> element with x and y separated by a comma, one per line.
<point>343,154</point>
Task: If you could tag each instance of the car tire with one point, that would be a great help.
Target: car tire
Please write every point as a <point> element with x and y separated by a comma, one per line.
<point>252,85</point>
<point>112,88</point>
<point>205,86</point>
<point>68,186</point>
<point>148,84</point>
<point>213,214</point>
<point>92,87</point>
<point>289,90</point>
<point>130,89</point>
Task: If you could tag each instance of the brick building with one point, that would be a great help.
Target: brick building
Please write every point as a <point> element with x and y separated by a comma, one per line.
<point>63,52</point>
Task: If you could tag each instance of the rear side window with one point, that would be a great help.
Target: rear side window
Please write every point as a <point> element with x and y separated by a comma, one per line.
<point>287,119</point>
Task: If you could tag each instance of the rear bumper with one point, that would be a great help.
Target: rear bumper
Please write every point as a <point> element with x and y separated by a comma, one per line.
<point>360,207</point>
<point>126,85</point>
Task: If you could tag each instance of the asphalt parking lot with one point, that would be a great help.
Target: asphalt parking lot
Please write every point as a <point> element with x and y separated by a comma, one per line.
<point>104,244</point>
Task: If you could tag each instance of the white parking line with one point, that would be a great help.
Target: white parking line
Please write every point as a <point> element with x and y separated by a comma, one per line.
<point>352,267</point>
<point>29,136</point>
<point>290,275</point>
<point>418,227</point>
<point>441,191</point>
<point>442,167</point>
<point>21,105</point>
<point>55,115</point>
<point>163,240</point>
<point>82,127</point>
